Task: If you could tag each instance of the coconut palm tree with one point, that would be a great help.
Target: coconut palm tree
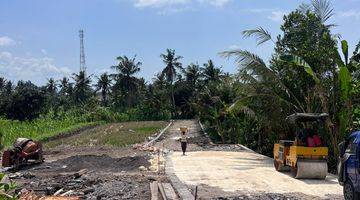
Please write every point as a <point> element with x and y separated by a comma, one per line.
<point>192,74</point>
<point>82,88</point>
<point>172,62</point>
<point>103,84</point>
<point>2,83</point>
<point>51,86</point>
<point>210,72</point>
<point>126,83</point>
<point>64,86</point>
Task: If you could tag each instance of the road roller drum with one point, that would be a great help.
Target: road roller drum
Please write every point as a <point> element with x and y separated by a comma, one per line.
<point>311,169</point>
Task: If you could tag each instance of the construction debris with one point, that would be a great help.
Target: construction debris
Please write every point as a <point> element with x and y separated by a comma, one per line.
<point>80,173</point>
<point>162,191</point>
<point>30,195</point>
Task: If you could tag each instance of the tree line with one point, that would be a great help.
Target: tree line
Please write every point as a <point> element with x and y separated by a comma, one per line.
<point>171,94</point>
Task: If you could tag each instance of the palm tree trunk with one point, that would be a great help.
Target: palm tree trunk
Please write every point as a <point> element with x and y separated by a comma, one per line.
<point>104,97</point>
<point>173,100</point>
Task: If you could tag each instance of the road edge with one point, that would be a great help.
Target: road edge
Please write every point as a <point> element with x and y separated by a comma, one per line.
<point>181,189</point>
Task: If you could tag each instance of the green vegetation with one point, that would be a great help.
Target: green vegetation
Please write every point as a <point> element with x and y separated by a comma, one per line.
<point>117,134</point>
<point>311,70</point>
<point>7,188</point>
<point>38,129</point>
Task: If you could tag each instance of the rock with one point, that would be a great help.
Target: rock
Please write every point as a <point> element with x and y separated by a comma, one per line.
<point>15,175</point>
<point>5,180</point>
<point>142,168</point>
<point>28,175</point>
<point>88,190</point>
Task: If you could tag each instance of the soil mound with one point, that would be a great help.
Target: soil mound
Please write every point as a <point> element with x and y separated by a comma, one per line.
<point>103,163</point>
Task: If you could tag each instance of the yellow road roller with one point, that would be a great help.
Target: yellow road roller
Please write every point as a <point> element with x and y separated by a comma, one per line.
<point>307,155</point>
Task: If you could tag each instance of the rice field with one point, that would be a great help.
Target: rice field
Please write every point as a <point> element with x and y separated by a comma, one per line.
<point>37,129</point>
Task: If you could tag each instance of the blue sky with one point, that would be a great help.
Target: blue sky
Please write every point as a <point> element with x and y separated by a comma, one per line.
<point>39,38</point>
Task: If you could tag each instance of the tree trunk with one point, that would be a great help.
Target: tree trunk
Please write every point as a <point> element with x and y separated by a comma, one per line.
<point>173,100</point>
<point>259,140</point>
<point>104,97</point>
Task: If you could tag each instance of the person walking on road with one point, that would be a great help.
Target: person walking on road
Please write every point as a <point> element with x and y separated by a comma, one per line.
<point>183,141</point>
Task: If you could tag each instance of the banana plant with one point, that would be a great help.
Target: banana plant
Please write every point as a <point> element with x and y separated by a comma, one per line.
<point>345,111</point>
<point>343,116</point>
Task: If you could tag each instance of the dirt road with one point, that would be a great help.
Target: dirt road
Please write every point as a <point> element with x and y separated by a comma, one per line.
<point>232,172</point>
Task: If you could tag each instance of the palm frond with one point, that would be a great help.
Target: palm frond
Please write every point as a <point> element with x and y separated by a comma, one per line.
<point>239,106</point>
<point>261,35</point>
<point>302,63</point>
<point>357,48</point>
<point>323,9</point>
<point>261,74</point>
<point>304,8</point>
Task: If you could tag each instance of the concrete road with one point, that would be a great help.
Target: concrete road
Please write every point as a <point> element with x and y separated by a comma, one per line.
<point>246,172</point>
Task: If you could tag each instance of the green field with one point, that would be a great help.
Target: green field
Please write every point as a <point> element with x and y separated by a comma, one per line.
<point>39,129</point>
<point>115,134</point>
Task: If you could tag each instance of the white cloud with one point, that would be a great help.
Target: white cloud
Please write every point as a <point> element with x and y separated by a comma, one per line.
<point>350,13</point>
<point>43,51</point>
<point>217,3</point>
<point>158,3</point>
<point>169,11</point>
<point>174,6</point>
<point>277,16</point>
<point>274,14</point>
<point>6,41</point>
<point>30,68</point>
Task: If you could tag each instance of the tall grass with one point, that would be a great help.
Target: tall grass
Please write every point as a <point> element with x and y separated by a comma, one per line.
<point>38,129</point>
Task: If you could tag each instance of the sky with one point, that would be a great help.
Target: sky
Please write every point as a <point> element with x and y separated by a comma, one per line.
<point>39,39</point>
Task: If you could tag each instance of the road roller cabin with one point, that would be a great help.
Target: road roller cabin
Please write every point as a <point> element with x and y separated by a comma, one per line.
<point>306,156</point>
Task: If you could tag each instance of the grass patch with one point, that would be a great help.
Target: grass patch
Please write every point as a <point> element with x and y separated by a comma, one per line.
<point>119,134</point>
<point>39,129</point>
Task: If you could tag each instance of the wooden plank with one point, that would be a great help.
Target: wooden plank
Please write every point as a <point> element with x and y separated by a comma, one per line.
<point>162,191</point>
<point>180,187</point>
<point>154,188</point>
<point>80,173</point>
<point>169,191</point>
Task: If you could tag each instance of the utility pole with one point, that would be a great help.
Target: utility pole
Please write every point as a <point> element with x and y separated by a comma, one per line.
<point>82,52</point>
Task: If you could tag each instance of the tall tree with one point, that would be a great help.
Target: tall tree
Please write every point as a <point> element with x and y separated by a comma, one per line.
<point>192,74</point>
<point>172,64</point>
<point>51,94</point>
<point>26,102</point>
<point>82,88</point>
<point>210,72</point>
<point>2,83</point>
<point>64,86</point>
<point>103,84</point>
<point>126,83</point>
<point>51,86</point>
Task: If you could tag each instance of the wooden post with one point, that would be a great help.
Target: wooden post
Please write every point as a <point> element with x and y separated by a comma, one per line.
<point>154,188</point>
<point>196,190</point>
<point>158,164</point>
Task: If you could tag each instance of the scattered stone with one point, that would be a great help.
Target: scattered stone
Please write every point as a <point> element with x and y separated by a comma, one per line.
<point>142,168</point>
